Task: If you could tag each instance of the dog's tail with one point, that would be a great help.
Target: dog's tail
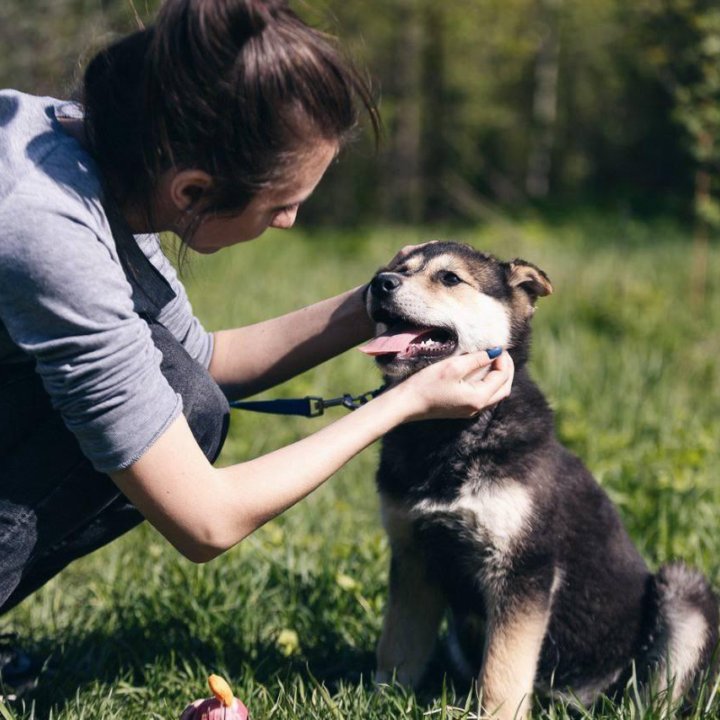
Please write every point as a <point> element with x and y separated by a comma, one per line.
<point>684,649</point>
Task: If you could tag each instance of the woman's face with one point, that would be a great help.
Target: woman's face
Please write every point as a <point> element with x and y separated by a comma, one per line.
<point>275,207</point>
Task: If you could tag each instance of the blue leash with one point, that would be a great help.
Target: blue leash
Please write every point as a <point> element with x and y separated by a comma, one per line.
<point>309,406</point>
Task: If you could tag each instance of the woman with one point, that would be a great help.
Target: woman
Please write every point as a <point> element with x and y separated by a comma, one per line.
<point>215,124</point>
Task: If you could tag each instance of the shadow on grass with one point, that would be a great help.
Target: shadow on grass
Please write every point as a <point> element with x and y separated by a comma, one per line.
<point>135,651</point>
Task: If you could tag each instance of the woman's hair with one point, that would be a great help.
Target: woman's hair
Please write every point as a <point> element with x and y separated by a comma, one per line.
<point>237,88</point>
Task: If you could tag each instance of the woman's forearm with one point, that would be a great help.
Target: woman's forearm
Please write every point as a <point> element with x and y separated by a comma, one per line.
<point>203,511</point>
<point>250,359</point>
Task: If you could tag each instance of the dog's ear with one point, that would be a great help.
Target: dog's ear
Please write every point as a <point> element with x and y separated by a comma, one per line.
<point>529,278</point>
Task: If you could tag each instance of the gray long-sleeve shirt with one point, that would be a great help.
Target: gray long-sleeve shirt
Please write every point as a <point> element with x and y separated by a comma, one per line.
<point>65,302</point>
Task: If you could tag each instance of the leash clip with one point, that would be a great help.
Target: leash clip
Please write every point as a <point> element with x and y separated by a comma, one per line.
<point>349,402</point>
<point>353,403</point>
<point>309,406</point>
<point>316,406</point>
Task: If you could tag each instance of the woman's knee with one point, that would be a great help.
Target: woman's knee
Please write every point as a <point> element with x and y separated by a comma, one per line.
<point>204,405</point>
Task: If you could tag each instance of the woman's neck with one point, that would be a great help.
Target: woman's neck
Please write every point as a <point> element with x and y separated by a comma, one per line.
<point>136,218</point>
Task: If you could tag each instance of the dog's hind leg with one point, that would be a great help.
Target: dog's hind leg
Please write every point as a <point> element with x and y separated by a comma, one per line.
<point>688,629</point>
<point>412,618</point>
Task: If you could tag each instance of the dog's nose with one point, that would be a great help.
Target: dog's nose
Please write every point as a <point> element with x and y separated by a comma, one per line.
<point>385,283</point>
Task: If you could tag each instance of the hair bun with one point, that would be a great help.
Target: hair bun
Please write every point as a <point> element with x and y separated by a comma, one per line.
<point>240,19</point>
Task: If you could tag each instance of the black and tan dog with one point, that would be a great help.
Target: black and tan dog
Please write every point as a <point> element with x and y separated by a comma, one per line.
<point>495,520</point>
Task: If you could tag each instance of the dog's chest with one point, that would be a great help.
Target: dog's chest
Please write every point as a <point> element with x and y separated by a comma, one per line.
<point>444,479</point>
<point>470,541</point>
<point>456,504</point>
<point>491,518</point>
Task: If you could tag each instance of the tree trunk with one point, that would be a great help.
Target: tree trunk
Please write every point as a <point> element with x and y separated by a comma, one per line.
<point>547,63</point>
<point>435,149</point>
<point>703,185</point>
<point>403,198</point>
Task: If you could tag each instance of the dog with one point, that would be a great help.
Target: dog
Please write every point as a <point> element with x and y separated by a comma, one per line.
<point>493,519</point>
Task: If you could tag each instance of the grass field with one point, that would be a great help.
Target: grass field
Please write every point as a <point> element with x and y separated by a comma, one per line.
<point>291,616</point>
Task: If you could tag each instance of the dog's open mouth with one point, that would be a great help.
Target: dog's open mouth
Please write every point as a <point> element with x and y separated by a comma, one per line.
<point>408,342</point>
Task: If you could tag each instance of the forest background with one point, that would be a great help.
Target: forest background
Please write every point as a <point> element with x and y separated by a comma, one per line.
<point>489,106</point>
<point>583,135</point>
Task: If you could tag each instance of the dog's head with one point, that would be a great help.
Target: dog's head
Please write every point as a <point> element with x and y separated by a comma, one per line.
<point>445,299</point>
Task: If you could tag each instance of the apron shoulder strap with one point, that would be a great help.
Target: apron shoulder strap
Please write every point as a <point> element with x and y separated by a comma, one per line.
<point>151,290</point>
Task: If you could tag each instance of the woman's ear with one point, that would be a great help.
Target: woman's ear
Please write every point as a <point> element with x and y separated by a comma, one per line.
<point>187,188</point>
<point>529,278</point>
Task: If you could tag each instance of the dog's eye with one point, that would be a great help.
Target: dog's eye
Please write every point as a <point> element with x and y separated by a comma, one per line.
<point>449,279</point>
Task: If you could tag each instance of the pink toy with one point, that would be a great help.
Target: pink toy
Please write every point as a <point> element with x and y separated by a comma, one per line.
<point>224,706</point>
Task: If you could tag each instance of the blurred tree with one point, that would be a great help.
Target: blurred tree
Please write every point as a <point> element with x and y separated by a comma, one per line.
<point>46,42</point>
<point>402,199</point>
<point>544,103</point>
<point>487,105</point>
<point>683,45</point>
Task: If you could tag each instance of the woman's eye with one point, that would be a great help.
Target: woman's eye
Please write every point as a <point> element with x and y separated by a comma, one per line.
<point>450,278</point>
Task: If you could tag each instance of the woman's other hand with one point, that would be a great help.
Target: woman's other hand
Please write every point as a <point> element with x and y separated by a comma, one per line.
<point>405,251</point>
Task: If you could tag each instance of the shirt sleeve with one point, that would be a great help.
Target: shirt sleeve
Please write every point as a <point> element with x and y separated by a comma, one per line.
<point>177,316</point>
<point>64,300</point>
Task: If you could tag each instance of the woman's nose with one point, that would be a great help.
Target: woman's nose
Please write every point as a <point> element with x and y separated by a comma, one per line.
<point>285,219</point>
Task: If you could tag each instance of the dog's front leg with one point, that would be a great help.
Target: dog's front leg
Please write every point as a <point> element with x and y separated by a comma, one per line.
<point>411,622</point>
<point>515,637</point>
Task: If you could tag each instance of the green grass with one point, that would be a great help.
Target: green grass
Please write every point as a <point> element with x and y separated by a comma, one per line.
<point>291,617</point>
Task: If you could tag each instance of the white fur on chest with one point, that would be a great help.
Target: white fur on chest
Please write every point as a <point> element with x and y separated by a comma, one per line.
<point>498,515</point>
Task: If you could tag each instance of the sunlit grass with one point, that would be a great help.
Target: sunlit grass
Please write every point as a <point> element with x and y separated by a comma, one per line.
<point>291,617</point>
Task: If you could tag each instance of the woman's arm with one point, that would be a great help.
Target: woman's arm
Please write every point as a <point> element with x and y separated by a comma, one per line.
<point>203,511</point>
<point>250,359</point>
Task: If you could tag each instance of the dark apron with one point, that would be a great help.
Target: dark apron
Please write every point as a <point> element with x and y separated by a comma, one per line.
<point>54,506</point>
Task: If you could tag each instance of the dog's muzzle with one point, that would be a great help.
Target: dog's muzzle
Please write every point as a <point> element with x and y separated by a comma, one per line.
<point>384,284</point>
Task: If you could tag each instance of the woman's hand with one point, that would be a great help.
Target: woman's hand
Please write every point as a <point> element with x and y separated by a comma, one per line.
<point>459,387</point>
<point>405,251</point>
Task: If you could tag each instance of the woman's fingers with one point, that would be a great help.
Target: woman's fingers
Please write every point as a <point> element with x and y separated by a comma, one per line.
<point>496,384</point>
<point>506,370</point>
<point>403,252</point>
<point>462,386</point>
<point>467,365</point>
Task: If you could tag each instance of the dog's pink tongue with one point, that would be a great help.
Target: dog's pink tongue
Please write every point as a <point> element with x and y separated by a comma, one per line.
<point>392,341</point>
